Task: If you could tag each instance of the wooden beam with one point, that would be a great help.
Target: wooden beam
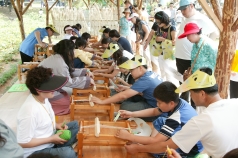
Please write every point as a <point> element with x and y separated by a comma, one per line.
<point>216,8</point>
<point>29,4</point>
<point>113,3</point>
<point>118,9</point>
<point>16,10</point>
<point>70,4</point>
<point>211,14</point>
<point>53,5</point>
<point>234,27</point>
<point>85,4</point>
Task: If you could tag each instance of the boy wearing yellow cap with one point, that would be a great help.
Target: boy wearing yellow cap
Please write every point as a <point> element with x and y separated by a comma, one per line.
<point>215,127</point>
<point>145,83</point>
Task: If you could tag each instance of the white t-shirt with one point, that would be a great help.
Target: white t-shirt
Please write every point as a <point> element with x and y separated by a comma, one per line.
<point>34,122</point>
<point>183,47</point>
<point>127,54</point>
<point>67,36</point>
<point>216,127</point>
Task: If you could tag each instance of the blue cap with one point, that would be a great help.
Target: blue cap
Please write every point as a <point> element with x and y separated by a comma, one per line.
<point>184,3</point>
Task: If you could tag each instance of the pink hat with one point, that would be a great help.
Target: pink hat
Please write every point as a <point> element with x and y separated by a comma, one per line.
<point>68,28</point>
<point>189,28</point>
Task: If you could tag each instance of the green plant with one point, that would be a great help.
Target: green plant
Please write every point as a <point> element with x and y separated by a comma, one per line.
<point>8,74</point>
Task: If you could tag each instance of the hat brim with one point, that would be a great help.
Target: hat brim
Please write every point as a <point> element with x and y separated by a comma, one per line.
<point>56,33</point>
<point>126,12</point>
<point>188,33</point>
<point>129,65</point>
<point>102,29</point>
<point>54,83</point>
<point>182,7</point>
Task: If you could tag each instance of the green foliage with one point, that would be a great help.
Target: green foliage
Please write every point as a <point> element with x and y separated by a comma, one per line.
<point>8,74</point>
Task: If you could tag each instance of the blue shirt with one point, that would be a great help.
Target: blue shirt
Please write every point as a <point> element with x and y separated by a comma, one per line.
<point>176,119</point>
<point>125,44</point>
<point>125,26</point>
<point>28,44</point>
<point>146,85</point>
<point>207,56</point>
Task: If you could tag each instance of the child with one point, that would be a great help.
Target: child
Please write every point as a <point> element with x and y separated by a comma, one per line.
<point>169,103</point>
<point>145,82</point>
<point>36,126</point>
<point>82,57</point>
<point>68,32</point>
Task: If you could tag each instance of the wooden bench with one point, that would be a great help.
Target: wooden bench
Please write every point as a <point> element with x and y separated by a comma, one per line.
<point>27,65</point>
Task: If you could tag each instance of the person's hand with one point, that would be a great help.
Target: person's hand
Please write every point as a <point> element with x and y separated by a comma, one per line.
<point>123,134</point>
<point>96,100</point>
<point>92,82</point>
<point>90,74</point>
<point>61,126</point>
<point>132,148</point>
<point>43,45</point>
<point>97,74</point>
<point>142,43</point>
<point>55,139</point>
<point>122,87</point>
<point>174,154</point>
<point>145,46</point>
<point>126,114</point>
<point>159,39</point>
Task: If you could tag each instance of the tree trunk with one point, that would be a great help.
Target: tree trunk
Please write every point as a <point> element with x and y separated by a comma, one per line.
<point>47,12</point>
<point>21,24</point>
<point>216,8</point>
<point>235,26</point>
<point>226,49</point>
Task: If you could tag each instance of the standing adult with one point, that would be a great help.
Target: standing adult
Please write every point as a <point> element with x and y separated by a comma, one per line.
<point>115,36</point>
<point>27,47</point>
<point>125,25</point>
<point>172,17</point>
<point>183,47</point>
<point>128,4</point>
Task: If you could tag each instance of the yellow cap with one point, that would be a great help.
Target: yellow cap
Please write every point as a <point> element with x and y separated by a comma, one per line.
<point>56,33</point>
<point>113,47</point>
<point>136,61</point>
<point>103,28</point>
<point>197,80</point>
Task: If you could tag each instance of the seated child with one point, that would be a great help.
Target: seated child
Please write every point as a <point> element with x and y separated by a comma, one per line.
<point>81,57</point>
<point>178,112</point>
<point>36,126</point>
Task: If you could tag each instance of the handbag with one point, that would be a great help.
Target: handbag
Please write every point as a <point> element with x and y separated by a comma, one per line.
<point>188,72</point>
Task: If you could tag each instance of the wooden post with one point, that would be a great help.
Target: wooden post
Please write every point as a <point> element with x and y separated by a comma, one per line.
<point>216,8</point>
<point>118,11</point>
<point>47,12</point>
<point>227,44</point>
<point>211,14</point>
<point>70,4</point>
<point>235,26</point>
<point>21,24</point>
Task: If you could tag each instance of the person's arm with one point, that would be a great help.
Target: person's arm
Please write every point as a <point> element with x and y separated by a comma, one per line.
<point>83,57</point>
<point>113,74</point>
<point>37,35</point>
<point>158,147</point>
<point>123,82</point>
<point>87,49</point>
<point>152,32</point>
<point>173,34</point>
<point>104,70</point>
<point>145,29</point>
<point>115,98</point>
<point>55,139</point>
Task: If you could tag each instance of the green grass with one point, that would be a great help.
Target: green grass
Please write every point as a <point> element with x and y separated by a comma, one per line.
<point>8,74</point>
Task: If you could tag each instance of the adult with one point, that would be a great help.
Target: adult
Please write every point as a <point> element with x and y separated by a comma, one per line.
<point>145,83</point>
<point>178,112</point>
<point>27,47</point>
<point>217,134</point>
<point>164,31</point>
<point>8,143</point>
<point>61,64</point>
<point>125,25</point>
<point>183,47</point>
<point>115,36</point>
<point>36,126</point>
<point>204,50</point>
<point>68,30</point>
<point>128,4</point>
<point>172,17</point>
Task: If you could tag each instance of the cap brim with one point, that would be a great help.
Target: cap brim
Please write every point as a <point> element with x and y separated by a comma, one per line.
<point>54,83</point>
<point>182,7</point>
<point>187,33</point>
<point>129,65</point>
<point>56,33</point>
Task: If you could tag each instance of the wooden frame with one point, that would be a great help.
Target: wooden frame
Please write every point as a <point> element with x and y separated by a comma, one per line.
<point>86,136</point>
<point>29,66</point>
<point>81,107</point>
<point>100,89</point>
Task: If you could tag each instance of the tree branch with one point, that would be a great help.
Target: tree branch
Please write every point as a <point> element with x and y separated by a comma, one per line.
<point>217,9</point>
<point>27,7</point>
<point>15,8</point>
<point>53,5</point>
